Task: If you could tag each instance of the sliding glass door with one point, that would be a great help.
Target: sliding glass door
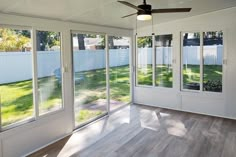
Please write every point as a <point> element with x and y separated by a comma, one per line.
<point>119,70</point>
<point>89,61</point>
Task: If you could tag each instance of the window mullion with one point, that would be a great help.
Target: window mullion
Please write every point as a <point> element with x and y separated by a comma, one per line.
<point>35,75</point>
<point>201,61</point>
<point>0,113</point>
<point>153,61</point>
<point>107,73</point>
<point>136,60</point>
<point>181,61</point>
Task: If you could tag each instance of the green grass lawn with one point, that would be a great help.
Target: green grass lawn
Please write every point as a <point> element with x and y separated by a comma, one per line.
<point>144,75</point>
<point>93,88</point>
<point>50,94</point>
<point>211,73</point>
<point>94,81</point>
<point>85,115</point>
<point>17,97</point>
<point>163,76</point>
<point>16,101</point>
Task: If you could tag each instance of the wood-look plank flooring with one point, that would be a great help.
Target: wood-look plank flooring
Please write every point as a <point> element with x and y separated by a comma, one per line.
<point>139,131</point>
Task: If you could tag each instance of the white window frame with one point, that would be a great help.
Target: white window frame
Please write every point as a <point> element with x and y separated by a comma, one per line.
<point>130,70</point>
<point>35,59</point>
<point>36,115</point>
<point>107,76</point>
<point>136,62</point>
<point>32,118</point>
<point>172,61</point>
<point>224,61</point>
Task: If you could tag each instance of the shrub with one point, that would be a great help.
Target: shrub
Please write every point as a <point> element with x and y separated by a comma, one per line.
<point>213,85</point>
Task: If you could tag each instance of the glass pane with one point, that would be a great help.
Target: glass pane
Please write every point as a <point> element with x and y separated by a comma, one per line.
<point>89,76</point>
<point>49,71</point>
<point>213,56</point>
<point>144,60</point>
<point>191,61</point>
<point>119,71</point>
<point>16,97</point>
<point>163,45</point>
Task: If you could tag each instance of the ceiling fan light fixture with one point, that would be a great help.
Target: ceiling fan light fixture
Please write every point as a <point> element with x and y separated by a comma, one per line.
<point>144,17</point>
<point>145,11</point>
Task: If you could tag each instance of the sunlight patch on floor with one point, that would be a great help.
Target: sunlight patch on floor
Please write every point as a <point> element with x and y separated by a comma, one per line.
<point>152,122</point>
<point>176,128</point>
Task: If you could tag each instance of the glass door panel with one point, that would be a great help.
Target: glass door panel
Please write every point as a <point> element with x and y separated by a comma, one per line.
<point>89,61</point>
<point>119,71</point>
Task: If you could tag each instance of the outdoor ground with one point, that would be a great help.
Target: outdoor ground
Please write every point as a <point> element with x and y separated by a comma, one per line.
<point>17,98</point>
<point>90,92</point>
<point>191,74</point>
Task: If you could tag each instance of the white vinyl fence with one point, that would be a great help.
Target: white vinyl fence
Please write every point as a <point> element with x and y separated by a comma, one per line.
<point>213,55</point>
<point>17,66</point>
<point>90,60</point>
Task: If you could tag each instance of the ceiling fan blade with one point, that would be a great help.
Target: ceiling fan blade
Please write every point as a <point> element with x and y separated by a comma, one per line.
<point>171,10</point>
<point>129,15</point>
<point>130,5</point>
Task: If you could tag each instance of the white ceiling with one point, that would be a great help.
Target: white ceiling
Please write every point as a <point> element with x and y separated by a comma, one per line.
<point>107,12</point>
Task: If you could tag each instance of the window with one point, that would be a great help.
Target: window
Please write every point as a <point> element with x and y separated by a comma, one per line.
<point>212,57</point>
<point>16,82</point>
<point>16,94</point>
<point>144,60</point>
<point>202,56</point>
<point>89,62</point>
<point>191,61</point>
<point>49,71</point>
<point>163,69</point>
<point>119,70</point>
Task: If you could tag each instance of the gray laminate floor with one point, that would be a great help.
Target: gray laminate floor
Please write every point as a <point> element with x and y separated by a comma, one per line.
<point>140,131</point>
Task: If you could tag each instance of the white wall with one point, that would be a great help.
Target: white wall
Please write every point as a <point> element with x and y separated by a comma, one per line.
<point>218,104</point>
<point>28,137</point>
<point>1,149</point>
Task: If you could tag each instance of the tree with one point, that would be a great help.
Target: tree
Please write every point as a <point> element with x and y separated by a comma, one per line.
<point>144,41</point>
<point>46,38</point>
<point>12,40</point>
<point>81,41</point>
<point>165,40</point>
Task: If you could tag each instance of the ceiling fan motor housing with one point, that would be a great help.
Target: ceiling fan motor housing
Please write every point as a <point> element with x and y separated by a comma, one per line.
<point>147,9</point>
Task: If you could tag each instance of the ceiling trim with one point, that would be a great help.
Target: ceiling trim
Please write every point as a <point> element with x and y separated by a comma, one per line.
<point>57,19</point>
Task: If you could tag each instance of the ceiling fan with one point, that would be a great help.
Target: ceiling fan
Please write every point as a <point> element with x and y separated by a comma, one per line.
<point>145,10</point>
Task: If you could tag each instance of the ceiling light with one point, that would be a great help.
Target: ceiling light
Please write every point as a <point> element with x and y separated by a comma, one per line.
<point>144,17</point>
